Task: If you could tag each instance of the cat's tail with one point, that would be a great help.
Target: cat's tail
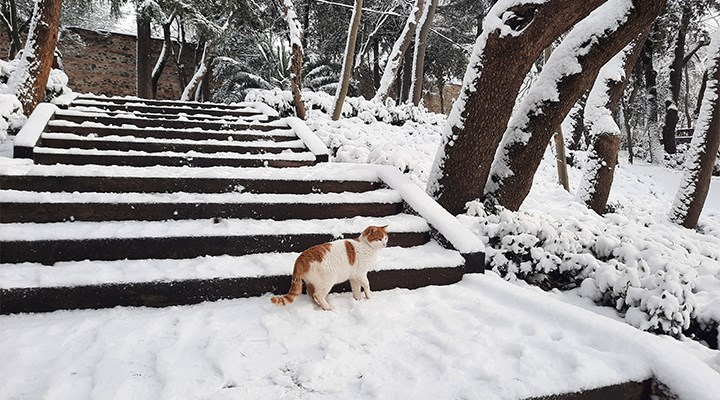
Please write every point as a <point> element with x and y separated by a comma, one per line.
<point>295,288</point>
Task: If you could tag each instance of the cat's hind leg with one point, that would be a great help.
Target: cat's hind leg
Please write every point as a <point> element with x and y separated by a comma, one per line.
<point>355,285</point>
<point>320,297</point>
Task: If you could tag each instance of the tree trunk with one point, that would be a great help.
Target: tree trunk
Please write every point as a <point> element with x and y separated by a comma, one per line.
<point>13,30</point>
<point>144,54</point>
<point>671,104</point>
<point>651,124</point>
<point>701,93</point>
<point>603,100</point>
<point>376,64</point>
<point>348,64</point>
<point>421,36</point>
<point>513,38</point>
<point>198,76</point>
<point>296,57</point>
<point>31,76</point>
<point>700,159</point>
<point>628,131</point>
<point>162,59</point>
<point>577,115</point>
<point>572,70</point>
<point>406,75</point>
<point>398,52</point>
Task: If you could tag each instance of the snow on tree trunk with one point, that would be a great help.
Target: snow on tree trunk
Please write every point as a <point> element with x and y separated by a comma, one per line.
<point>30,78</point>
<point>421,35</point>
<point>570,72</point>
<point>676,66</point>
<point>296,57</point>
<point>398,52</point>
<point>703,149</point>
<point>573,124</point>
<point>143,53</point>
<point>514,35</point>
<point>164,55</point>
<point>347,65</point>
<point>603,100</point>
<point>200,72</point>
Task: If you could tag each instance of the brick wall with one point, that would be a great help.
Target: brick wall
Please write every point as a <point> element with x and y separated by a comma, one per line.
<point>104,63</point>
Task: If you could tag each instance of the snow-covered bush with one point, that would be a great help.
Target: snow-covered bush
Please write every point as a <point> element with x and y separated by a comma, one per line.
<point>368,111</point>
<point>12,117</point>
<point>609,268</point>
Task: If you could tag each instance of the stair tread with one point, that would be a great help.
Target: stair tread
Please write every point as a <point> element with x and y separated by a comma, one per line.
<point>259,119</point>
<point>141,101</point>
<point>212,142</point>
<point>374,196</point>
<point>77,231</point>
<point>279,130</point>
<point>75,273</point>
<point>288,155</point>
<point>98,103</point>
<point>320,172</point>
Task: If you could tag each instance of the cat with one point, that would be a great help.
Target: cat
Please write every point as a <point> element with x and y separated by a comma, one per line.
<point>327,264</point>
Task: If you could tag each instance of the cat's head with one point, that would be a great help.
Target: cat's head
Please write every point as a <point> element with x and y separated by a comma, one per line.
<point>375,236</point>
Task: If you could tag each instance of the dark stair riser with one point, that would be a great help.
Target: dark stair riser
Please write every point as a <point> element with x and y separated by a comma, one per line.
<point>150,161</point>
<point>170,185</point>
<point>175,116</point>
<point>164,123</point>
<point>49,252</point>
<point>170,110</point>
<point>185,292</point>
<point>59,212</point>
<point>155,147</point>
<point>174,133</point>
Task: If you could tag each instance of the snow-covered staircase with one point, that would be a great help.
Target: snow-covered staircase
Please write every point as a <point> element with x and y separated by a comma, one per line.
<point>102,229</point>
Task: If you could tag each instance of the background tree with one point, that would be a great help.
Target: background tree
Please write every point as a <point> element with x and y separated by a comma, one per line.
<point>348,63</point>
<point>699,162</point>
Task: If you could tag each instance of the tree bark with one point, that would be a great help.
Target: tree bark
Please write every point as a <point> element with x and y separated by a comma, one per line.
<point>603,101</point>
<point>704,146</point>
<point>572,70</point>
<point>348,64</point>
<point>578,134</point>
<point>671,104</point>
<point>296,57</point>
<point>162,59</point>
<point>406,75</point>
<point>144,55</point>
<point>511,41</point>
<point>31,77</point>
<point>398,53</point>
<point>13,30</point>
<point>197,77</point>
<point>421,36</point>
<point>651,123</point>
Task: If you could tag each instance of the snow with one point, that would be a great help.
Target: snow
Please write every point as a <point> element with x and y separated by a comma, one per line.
<point>310,139</point>
<point>297,144</point>
<point>31,131</point>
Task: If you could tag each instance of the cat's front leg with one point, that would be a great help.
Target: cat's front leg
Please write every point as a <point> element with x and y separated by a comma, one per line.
<point>355,285</point>
<point>365,283</point>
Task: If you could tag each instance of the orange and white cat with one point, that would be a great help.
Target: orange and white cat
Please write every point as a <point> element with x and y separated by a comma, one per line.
<point>327,264</point>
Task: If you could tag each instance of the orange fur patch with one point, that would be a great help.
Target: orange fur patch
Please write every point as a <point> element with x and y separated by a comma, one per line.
<point>373,233</point>
<point>313,254</point>
<point>350,249</point>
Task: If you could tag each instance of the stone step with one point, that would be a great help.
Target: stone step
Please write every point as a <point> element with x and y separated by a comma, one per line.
<point>49,243</point>
<point>153,145</point>
<point>50,156</point>
<point>239,111</point>
<point>160,283</point>
<point>95,112</point>
<point>20,206</point>
<point>259,132</point>
<point>162,103</point>
<point>153,122</point>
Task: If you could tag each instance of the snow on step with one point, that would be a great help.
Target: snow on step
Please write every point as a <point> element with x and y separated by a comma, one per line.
<point>280,130</point>
<point>429,255</point>
<point>298,144</point>
<point>29,232</point>
<point>375,196</point>
<point>111,115</point>
<point>287,155</point>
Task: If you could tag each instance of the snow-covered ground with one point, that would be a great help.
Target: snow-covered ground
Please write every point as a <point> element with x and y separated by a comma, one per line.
<point>481,338</point>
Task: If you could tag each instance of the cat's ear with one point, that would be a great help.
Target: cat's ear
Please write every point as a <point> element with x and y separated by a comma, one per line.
<point>384,227</point>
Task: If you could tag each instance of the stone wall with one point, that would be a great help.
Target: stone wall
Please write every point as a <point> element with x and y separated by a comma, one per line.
<point>104,63</point>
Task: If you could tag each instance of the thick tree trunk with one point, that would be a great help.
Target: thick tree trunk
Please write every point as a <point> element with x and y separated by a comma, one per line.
<point>398,52</point>
<point>572,70</point>
<point>578,134</point>
<point>162,59</point>
<point>296,57</point>
<point>421,35</point>
<point>603,100</point>
<point>406,75</point>
<point>144,56</point>
<point>703,150</point>
<point>651,120</point>
<point>348,64</point>
<point>512,39</point>
<point>30,78</point>
<point>671,104</point>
